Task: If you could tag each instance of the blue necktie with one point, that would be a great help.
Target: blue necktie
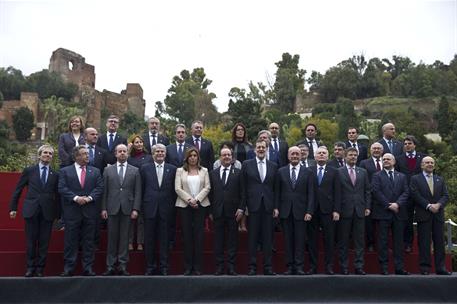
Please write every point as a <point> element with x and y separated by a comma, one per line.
<point>390,146</point>
<point>111,141</point>
<point>276,145</point>
<point>43,175</point>
<point>320,176</point>
<point>180,153</point>
<point>294,177</point>
<point>91,154</point>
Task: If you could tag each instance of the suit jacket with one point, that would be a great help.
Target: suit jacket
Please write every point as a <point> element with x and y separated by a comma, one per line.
<point>102,142</point>
<point>369,165</point>
<point>158,199</point>
<point>310,162</point>
<point>45,197</point>
<point>69,187</point>
<point>363,151</point>
<point>183,191</point>
<point>101,159</point>
<point>121,198</point>
<point>140,161</point>
<point>65,146</point>
<point>298,199</point>
<point>206,152</point>
<point>397,147</point>
<point>325,199</point>
<point>353,198</point>
<point>172,154</point>
<point>402,164</point>
<point>225,199</point>
<point>161,139</point>
<point>422,196</point>
<point>384,192</point>
<point>253,190</point>
<point>335,164</point>
<point>281,158</point>
<point>305,141</point>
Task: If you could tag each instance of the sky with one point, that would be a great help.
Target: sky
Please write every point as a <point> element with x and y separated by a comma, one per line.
<point>236,41</point>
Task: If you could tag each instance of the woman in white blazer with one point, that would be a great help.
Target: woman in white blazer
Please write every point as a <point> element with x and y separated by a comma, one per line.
<point>192,187</point>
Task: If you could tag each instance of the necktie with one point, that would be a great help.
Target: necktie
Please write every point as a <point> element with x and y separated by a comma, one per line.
<point>391,176</point>
<point>311,148</point>
<point>294,177</point>
<point>111,141</point>
<point>378,166</point>
<point>320,175</point>
<point>341,162</point>
<point>352,175</point>
<point>83,176</point>
<point>159,174</point>
<point>430,182</point>
<point>121,173</point>
<point>224,176</point>
<point>304,163</point>
<point>154,141</point>
<point>354,146</point>
<point>261,171</point>
<point>389,143</point>
<point>91,154</point>
<point>410,154</point>
<point>197,144</point>
<point>276,145</point>
<point>43,175</point>
<point>180,152</point>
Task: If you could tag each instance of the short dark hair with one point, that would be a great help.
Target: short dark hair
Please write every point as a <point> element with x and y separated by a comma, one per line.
<point>340,144</point>
<point>350,149</point>
<point>310,124</point>
<point>410,138</point>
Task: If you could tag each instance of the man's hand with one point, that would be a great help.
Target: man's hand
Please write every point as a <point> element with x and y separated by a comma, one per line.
<point>13,215</point>
<point>104,214</point>
<point>367,212</point>
<point>134,215</point>
<point>336,216</point>
<point>308,217</point>
<point>239,214</point>
<point>275,213</point>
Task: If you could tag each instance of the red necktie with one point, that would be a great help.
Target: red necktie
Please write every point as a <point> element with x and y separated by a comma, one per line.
<point>83,176</point>
<point>378,166</point>
<point>197,144</point>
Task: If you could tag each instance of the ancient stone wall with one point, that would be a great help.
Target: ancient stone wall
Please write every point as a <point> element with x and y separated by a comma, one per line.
<point>28,100</point>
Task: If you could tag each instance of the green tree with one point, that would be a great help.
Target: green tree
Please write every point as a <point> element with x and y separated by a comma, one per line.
<point>375,80</point>
<point>47,84</point>
<point>340,81</point>
<point>23,123</point>
<point>132,124</point>
<point>346,117</point>
<point>398,65</point>
<point>12,83</point>
<point>289,82</point>
<point>443,118</point>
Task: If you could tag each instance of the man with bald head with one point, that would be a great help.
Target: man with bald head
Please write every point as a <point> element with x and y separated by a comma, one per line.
<point>430,196</point>
<point>98,157</point>
<point>279,146</point>
<point>294,191</point>
<point>390,197</point>
<point>388,141</point>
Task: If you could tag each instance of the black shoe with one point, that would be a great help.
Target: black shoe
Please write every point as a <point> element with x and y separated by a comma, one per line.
<point>28,274</point>
<point>401,272</point>
<point>344,272</point>
<point>88,273</point>
<point>231,271</point>
<point>109,272</point>
<point>123,272</point>
<point>408,249</point>
<point>443,272</point>
<point>197,272</point>
<point>164,272</point>
<point>370,248</point>
<point>329,271</point>
<point>300,272</point>
<point>384,272</point>
<point>273,250</point>
<point>269,272</point>
<point>424,272</point>
<point>360,272</point>
<point>187,272</point>
<point>252,272</point>
<point>66,274</point>
<point>311,272</point>
<point>39,273</point>
<point>149,272</point>
<point>219,272</point>
<point>289,271</point>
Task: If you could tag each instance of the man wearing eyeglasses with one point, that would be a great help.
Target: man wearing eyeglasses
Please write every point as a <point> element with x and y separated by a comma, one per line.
<point>111,138</point>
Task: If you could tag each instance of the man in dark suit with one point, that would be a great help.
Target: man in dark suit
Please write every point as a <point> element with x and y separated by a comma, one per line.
<point>111,138</point>
<point>153,137</point>
<point>409,163</point>
<point>225,197</point>
<point>98,157</point>
<point>388,141</point>
<point>176,151</point>
<point>41,207</point>
<point>325,212</point>
<point>121,202</point>
<point>310,139</point>
<point>257,183</point>
<point>338,155</point>
<point>430,197</point>
<point>353,134</point>
<point>159,198</point>
<point>81,188</point>
<point>372,165</point>
<point>390,196</point>
<point>353,204</point>
<point>305,161</point>
<point>278,145</point>
<point>294,199</point>
<point>204,146</point>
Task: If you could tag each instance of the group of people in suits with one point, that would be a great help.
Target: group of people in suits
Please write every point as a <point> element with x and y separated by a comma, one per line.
<point>104,177</point>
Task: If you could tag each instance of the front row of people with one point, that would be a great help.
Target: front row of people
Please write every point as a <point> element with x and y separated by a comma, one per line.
<point>304,199</point>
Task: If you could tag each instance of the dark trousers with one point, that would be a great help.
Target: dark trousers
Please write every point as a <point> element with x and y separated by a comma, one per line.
<point>118,240</point>
<point>172,225</point>
<point>193,221</point>
<point>328,229</point>
<point>433,228</point>
<point>37,233</point>
<point>156,230</point>
<point>354,226</point>
<point>225,231</point>
<point>408,226</point>
<point>397,227</point>
<point>370,230</point>
<point>77,230</point>
<point>294,239</point>
<point>260,226</point>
